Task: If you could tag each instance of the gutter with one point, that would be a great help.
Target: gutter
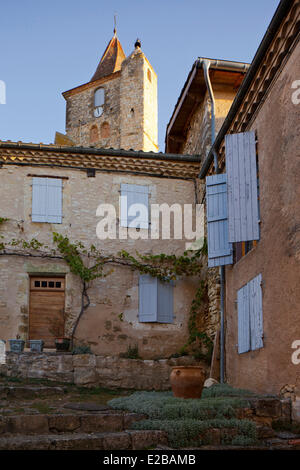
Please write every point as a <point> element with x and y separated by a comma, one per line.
<point>226,65</point>
<point>206,65</point>
<point>280,13</point>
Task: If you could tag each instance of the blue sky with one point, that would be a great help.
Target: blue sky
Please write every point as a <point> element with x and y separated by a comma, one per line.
<point>48,47</point>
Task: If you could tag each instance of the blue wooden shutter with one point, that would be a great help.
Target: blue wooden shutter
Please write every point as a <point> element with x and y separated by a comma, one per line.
<point>135,194</point>
<point>241,168</point>
<point>47,200</point>
<point>243,319</point>
<point>165,302</point>
<point>54,200</point>
<point>219,250</point>
<point>256,314</point>
<point>39,200</point>
<point>250,316</point>
<point>147,298</point>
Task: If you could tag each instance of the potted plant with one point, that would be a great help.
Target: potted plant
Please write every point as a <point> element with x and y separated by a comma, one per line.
<point>62,344</point>
<point>36,345</point>
<point>17,345</point>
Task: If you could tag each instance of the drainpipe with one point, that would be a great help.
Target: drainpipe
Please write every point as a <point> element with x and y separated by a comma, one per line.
<point>206,65</point>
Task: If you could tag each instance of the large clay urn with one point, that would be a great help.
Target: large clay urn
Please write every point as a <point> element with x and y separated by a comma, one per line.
<point>187,381</point>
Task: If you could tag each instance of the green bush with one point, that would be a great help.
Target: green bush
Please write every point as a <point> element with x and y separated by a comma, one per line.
<point>83,349</point>
<point>225,390</point>
<point>186,421</point>
<point>191,432</point>
<point>131,353</point>
<point>243,441</point>
<point>162,405</point>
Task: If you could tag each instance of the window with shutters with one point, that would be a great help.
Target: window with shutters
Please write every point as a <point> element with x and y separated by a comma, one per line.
<point>219,248</point>
<point>243,191</point>
<point>134,207</point>
<point>155,300</point>
<point>233,202</point>
<point>46,200</point>
<point>250,316</point>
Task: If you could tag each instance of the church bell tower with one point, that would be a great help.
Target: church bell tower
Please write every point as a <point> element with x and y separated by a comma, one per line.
<point>117,108</point>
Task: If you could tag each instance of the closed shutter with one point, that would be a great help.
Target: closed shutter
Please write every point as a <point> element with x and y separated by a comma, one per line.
<point>256,314</point>
<point>165,302</point>
<point>39,200</point>
<point>250,316</point>
<point>243,320</point>
<point>241,168</point>
<point>219,249</point>
<point>47,200</point>
<point>54,199</point>
<point>134,194</point>
<point>147,298</point>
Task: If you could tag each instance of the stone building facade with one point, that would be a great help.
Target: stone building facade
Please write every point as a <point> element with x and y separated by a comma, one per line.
<point>117,108</point>
<point>89,177</point>
<point>189,132</point>
<point>266,357</point>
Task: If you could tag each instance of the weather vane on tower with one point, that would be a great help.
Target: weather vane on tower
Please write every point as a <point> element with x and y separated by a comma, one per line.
<point>115,24</point>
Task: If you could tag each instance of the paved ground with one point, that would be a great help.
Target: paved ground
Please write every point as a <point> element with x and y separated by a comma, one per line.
<point>41,396</point>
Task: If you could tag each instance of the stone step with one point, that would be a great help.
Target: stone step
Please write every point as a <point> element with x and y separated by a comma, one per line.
<point>11,391</point>
<point>63,423</point>
<point>135,440</point>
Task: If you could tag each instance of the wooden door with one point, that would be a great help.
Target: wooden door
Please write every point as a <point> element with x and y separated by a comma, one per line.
<point>46,310</point>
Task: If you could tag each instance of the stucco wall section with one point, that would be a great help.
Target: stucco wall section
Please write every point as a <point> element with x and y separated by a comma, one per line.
<point>277,255</point>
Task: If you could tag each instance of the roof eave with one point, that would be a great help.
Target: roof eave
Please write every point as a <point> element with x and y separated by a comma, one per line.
<point>216,64</point>
<point>278,16</point>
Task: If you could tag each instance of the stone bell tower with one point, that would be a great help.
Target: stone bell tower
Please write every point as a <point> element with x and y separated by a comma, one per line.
<point>117,108</point>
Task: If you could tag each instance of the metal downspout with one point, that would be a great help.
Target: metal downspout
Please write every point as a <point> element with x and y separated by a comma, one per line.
<point>206,64</point>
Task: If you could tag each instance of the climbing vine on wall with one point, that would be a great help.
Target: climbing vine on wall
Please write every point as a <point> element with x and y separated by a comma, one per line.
<point>198,340</point>
<point>91,263</point>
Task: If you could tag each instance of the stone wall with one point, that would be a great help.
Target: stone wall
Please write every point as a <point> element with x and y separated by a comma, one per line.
<point>138,104</point>
<point>129,111</point>
<point>198,136</point>
<point>91,370</point>
<point>198,142</point>
<point>80,114</point>
<point>110,325</point>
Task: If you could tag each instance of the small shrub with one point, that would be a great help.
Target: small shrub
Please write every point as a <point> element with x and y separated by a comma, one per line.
<point>240,440</point>
<point>186,421</point>
<point>163,405</point>
<point>181,353</point>
<point>284,425</point>
<point>192,432</point>
<point>225,390</point>
<point>131,353</point>
<point>83,349</point>
<point>41,407</point>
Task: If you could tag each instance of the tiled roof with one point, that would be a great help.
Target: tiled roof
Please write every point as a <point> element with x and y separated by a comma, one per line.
<point>111,60</point>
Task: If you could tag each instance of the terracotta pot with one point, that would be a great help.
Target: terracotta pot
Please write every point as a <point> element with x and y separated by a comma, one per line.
<point>187,381</point>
